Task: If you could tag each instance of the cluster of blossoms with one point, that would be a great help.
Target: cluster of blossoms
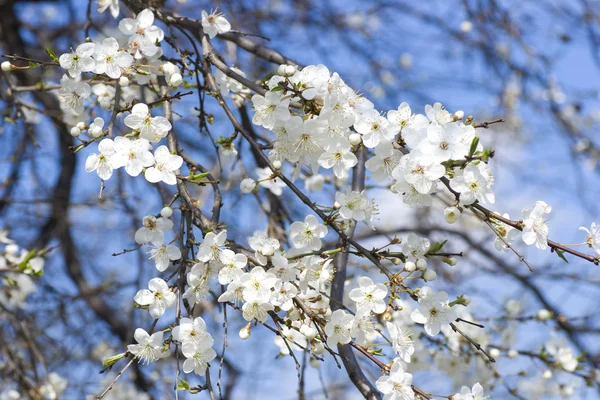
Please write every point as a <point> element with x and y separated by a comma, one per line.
<point>140,58</point>
<point>17,267</point>
<point>412,150</point>
<point>320,122</point>
<point>135,154</point>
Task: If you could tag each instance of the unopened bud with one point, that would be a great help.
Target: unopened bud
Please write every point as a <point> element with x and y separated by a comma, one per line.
<point>277,164</point>
<point>110,361</point>
<point>7,66</point>
<point>245,332</point>
<point>75,131</point>
<point>290,70</point>
<point>451,261</point>
<point>459,115</point>
<point>317,347</point>
<point>314,363</point>
<point>166,212</point>
<point>410,266</point>
<point>281,69</point>
<point>421,264</point>
<point>355,139</point>
<point>387,315</point>
<point>429,275</point>
<point>543,315</point>
<point>123,81</point>
<point>176,80</point>
<point>247,185</point>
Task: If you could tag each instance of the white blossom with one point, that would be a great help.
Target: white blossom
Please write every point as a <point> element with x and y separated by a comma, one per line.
<point>80,60</point>
<point>149,348</point>
<point>338,328</point>
<point>214,24</point>
<point>369,296</point>
<point>433,311</point>
<point>110,60</point>
<point>593,237</point>
<point>158,297</point>
<point>165,167</point>
<point>397,385</point>
<point>150,128</point>
<point>535,230</point>
<point>308,234</point>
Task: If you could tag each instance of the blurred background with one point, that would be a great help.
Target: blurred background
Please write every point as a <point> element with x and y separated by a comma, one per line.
<point>534,63</point>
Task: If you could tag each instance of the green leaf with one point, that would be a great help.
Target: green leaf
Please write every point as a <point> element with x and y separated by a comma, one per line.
<point>561,255</point>
<point>198,177</point>
<point>51,54</point>
<point>33,65</point>
<point>183,385</point>
<point>23,265</point>
<point>376,352</point>
<point>436,247</point>
<point>474,144</point>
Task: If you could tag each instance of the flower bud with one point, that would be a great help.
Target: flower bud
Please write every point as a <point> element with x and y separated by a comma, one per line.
<point>176,80</point>
<point>466,299</point>
<point>75,131</point>
<point>290,70</point>
<point>387,315</point>
<point>7,66</point>
<point>421,264</point>
<point>110,361</point>
<point>459,115</point>
<point>495,353</point>
<point>317,347</point>
<point>466,26</point>
<point>429,275</point>
<point>410,266</point>
<point>543,315</point>
<point>95,131</point>
<point>81,125</point>
<point>169,68</point>
<point>166,212</point>
<point>547,374</point>
<point>451,214</point>
<point>247,185</point>
<point>105,103</point>
<point>336,205</point>
<point>123,81</point>
<point>277,164</point>
<point>245,332</point>
<point>512,353</point>
<point>309,332</point>
<point>355,139</point>
<point>314,363</point>
<point>451,261</point>
<point>281,70</point>
<point>566,391</point>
